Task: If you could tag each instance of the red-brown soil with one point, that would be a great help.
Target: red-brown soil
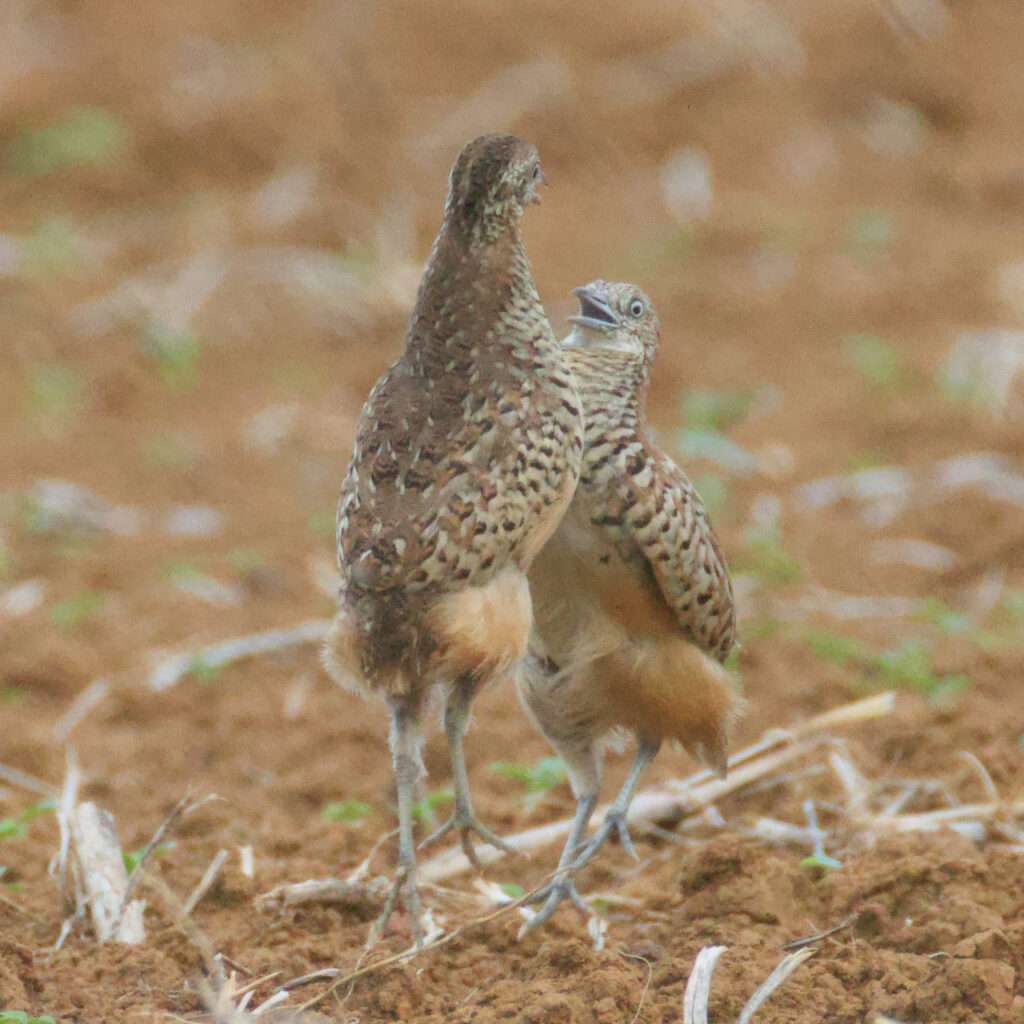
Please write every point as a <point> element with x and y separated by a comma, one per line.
<point>867,180</point>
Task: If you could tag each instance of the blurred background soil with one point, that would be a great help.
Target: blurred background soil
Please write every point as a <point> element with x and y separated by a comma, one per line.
<point>212,222</point>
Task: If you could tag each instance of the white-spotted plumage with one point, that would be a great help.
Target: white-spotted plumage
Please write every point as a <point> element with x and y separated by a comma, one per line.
<point>466,455</point>
<point>632,600</point>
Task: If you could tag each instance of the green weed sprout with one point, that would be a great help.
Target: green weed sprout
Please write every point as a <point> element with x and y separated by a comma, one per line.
<point>347,811</point>
<point>874,359</point>
<point>538,778</point>
<point>84,137</point>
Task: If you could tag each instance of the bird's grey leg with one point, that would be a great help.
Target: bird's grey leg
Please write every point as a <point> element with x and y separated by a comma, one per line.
<point>405,747</point>
<point>463,818</point>
<point>562,886</point>
<point>615,819</point>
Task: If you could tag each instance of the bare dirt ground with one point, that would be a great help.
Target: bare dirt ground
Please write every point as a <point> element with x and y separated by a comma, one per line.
<point>211,225</point>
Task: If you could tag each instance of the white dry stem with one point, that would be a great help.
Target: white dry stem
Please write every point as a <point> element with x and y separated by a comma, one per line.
<point>689,795</point>
<point>65,809</point>
<point>323,572</point>
<point>348,892</point>
<point>921,554</point>
<point>80,707</point>
<point>201,889</point>
<point>73,506</point>
<point>16,777</point>
<point>698,985</point>
<point>138,872</point>
<point>775,831</point>
<point>296,695</point>
<point>854,784</point>
<point>507,95</point>
<point>983,775</point>
<point>967,819</point>
<point>986,594</point>
<point>844,607</point>
<point>98,853</point>
<point>648,77</point>
<point>246,861</point>
<point>785,968</point>
<point>175,668</point>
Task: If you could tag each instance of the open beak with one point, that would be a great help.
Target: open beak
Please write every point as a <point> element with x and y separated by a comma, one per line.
<point>541,180</point>
<point>594,310</point>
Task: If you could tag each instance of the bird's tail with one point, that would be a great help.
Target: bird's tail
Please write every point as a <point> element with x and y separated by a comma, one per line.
<point>673,690</point>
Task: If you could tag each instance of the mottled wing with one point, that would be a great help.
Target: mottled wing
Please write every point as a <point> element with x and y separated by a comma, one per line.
<point>445,488</point>
<point>652,512</point>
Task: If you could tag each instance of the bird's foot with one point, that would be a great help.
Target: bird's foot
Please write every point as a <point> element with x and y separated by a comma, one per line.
<point>467,823</point>
<point>614,821</point>
<point>406,887</point>
<point>554,895</point>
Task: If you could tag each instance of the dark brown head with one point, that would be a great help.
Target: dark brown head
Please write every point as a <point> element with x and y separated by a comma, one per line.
<point>618,317</point>
<point>492,181</point>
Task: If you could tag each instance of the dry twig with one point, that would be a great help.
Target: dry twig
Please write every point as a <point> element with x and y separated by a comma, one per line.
<point>690,795</point>
<point>698,987</point>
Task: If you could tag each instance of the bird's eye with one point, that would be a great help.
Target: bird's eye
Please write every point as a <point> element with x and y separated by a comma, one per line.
<point>636,308</point>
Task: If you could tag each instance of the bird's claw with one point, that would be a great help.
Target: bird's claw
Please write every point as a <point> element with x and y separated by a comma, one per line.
<point>467,824</point>
<point>404,885</point>
<point>554,895</point>
<point>613,822</point>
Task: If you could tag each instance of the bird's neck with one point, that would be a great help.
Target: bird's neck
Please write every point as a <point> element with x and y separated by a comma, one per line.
<point>612,386</point>
<point>470,292</point>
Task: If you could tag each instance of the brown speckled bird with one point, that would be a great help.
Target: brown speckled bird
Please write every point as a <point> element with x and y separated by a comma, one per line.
<point>632,600</point>
<point>466,456</point>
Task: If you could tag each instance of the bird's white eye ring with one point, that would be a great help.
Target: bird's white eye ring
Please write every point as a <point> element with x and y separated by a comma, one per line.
<point>636,308</point>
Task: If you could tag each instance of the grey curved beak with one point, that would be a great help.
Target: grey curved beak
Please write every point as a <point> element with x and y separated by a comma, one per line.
<point>542,179</point>
<point>595,312</point>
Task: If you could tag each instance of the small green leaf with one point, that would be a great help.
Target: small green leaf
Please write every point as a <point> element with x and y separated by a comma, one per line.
<point>423,810</point>
<point>512,890</point>
<point>716,447</point>
<point>1013,604</point>
<point>909,666</point>
<point>547,773</point>
<point>713,492</point>
<point>54,247</point>
<point>37,810</point>
<point>203,670</point>
<point>16,826</point>
<point>85,136</point>
<point>131,859</point>
<point>11,828</point>
<point>865,460</point>
<point>760,629</point>
<point>717,410</point>
<point>70,611</point>
<point>511,770</point>
<point>875,360</point>
<point>538,778</point>
<point>821,860</point>
<point>55,397</point>
<point>765,559</point>
<point>246,561</point>
<point>949,620</point>
<point>870,234</point>
<point>176,353</point>
<point>839,650</point>
<point>176,451</point>
<point>322,523</point>
<point>347,811</point>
